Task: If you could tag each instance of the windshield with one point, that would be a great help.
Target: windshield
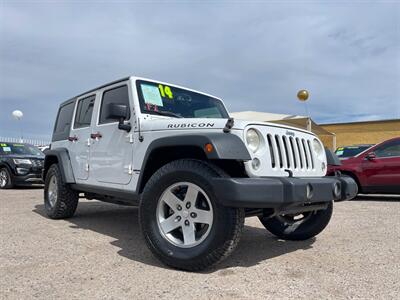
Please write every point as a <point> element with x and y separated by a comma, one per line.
<point>19,149</point>
<point>160,99</point>
<point>344,152</point>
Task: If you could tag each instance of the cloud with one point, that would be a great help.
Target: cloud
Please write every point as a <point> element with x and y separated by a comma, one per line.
<point>254,55</point>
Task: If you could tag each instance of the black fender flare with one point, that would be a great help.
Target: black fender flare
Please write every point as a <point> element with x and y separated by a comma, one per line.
<point>225,147</point>
<point>64,164</point>
<point>332,158</point>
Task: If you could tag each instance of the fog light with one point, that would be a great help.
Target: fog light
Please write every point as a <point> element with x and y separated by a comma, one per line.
<point>323,166</point>
<point>22,171</point>
<point>336,190</point>
<point>255,163</point>
<point>309,191</point>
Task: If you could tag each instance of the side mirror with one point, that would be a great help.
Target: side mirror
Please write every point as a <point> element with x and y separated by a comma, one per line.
<point>370,156</point>
<point>119,112</point>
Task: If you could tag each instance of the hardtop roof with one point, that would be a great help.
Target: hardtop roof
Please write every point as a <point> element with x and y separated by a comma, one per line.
<point>135,77</point>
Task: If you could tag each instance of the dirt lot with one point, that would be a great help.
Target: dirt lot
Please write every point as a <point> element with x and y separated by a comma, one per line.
<point>100,253</point>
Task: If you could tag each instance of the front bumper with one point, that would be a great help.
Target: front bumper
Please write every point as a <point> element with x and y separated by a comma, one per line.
<point>278,192</point>
<point>30,178</point>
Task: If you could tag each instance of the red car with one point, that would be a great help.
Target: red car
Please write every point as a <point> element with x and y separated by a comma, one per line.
<point>376,170</point>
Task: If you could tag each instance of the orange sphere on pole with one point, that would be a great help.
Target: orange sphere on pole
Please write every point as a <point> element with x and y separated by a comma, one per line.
<point>302,95</point>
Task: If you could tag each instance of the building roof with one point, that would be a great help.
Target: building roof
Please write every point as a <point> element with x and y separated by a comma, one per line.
<point>362,122</point>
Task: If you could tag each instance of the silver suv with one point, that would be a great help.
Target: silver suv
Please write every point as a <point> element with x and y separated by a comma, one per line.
<point>194,172</point>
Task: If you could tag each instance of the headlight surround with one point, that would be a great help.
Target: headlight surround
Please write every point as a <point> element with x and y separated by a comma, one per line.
<point>318,149</point>
<point>22,161</point>
<point>253,139</point>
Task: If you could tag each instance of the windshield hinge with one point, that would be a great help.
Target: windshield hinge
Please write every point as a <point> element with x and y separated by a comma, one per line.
<point>229,125</point>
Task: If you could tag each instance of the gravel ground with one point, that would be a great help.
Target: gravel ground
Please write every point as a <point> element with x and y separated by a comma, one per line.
<point>99,253</point>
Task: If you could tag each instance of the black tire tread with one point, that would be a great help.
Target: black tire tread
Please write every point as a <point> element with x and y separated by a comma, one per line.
<point>236,218</point>
<point>67,199</point>
<point>309,229</point>
<point>10,183</point>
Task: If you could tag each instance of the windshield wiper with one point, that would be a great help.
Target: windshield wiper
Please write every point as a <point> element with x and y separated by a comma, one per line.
<point>166,113</point>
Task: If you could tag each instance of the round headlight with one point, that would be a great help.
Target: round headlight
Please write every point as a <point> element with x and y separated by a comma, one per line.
<point>253,139</point>
<point>317,147</point>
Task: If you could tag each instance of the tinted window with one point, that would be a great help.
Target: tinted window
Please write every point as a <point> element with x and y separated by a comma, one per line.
<point>350,151</point>
<point>63,123</point>
<point>19,149</point>
<point>160,99</point>
<point>84,112</point>
<point>118,95</point>
<point>389,149</point>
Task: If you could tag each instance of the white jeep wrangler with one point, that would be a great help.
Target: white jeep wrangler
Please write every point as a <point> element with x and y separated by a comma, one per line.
<point>194,172</point>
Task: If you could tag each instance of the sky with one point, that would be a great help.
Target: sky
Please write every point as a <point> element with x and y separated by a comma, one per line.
<point>255,55</point>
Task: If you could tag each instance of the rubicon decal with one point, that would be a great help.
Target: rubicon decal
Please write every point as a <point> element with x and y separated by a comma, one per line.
<point>190,125</point>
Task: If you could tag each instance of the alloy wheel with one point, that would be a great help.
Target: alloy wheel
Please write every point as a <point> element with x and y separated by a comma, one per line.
<point>3,178</point>
<point>52,191</point>
<point>184,215</point>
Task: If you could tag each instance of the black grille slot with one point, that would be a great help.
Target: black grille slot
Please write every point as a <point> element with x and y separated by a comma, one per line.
<point>305,153</point>
<point>311,154</point>
<point>271,150</point>
<point>37,163</point>
<point>293,152</point>
<point>285,145</point>
<point>300,152</point>
<point>278,145</point>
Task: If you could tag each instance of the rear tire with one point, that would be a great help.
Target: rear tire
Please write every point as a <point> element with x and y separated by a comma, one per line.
<point>214,230</point>
<point>6,181</point>
<point>290,228</point>
<point>60,200</point>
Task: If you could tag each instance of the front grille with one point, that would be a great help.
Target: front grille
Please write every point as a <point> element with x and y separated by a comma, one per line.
<point>288,152</point>
<point>37,163</point>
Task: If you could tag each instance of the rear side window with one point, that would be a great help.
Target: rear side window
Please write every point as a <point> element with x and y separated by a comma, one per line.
<point>117,95</point>
<point>63,123</point>
<point>391,149</point>
<point>84,112</point>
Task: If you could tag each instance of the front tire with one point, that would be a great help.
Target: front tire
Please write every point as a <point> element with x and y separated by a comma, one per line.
<point>298,227</point>
<point>5,179</point>
<point>60,200</point>
<point>181,220</point>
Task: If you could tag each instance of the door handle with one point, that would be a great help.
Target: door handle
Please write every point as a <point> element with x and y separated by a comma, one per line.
<point>72,138</point>
<point>96,135</point>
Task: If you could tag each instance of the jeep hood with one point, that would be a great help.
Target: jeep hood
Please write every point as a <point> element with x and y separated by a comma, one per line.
<point>166,123</point>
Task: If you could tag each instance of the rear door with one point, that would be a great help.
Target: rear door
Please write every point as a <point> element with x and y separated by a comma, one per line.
<point>383,172</point>
<point>80,136</point>
<point>112,149</point>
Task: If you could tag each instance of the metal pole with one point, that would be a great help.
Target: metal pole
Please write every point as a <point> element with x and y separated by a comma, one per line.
<point>334,142</point>
<point>21,134</point>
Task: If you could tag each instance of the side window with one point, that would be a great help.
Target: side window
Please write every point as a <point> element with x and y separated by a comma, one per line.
<point>390,149</point>
<point>63,123</point>
<point>84,112</point>
<point>117,95</point>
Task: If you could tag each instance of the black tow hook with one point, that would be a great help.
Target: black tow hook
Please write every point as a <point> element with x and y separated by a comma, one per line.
<point>289,172</point>
<point>338,173</point>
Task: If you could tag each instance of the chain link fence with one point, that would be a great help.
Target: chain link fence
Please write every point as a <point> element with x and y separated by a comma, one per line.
<point>35,142</point>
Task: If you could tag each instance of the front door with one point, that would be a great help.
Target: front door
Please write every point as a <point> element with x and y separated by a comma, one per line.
<point>382,173</point>
<point>79,138</point>
<point>112,149</point>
